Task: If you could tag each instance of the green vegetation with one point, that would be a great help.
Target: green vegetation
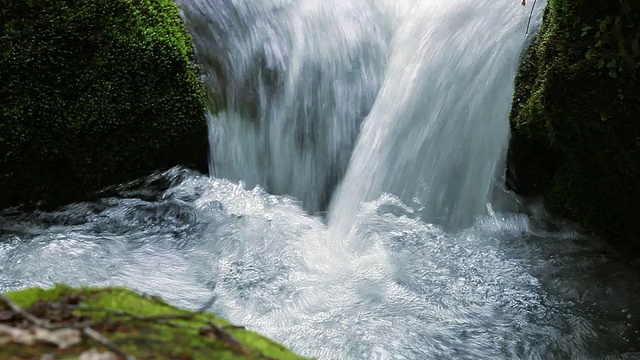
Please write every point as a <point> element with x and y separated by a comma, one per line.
<point>576,117</point>
<point>94,93</point>
<point>143,327</point>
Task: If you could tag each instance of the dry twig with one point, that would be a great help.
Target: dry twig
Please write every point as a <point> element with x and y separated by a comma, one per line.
<point>17,309</point>
<point>87,330</point>
<point>106,342</point>
<point>87,327</point>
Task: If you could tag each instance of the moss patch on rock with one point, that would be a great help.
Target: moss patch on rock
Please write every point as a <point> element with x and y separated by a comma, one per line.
<point>142,327</point>
<point>94,93</point>
<point>576,117</point>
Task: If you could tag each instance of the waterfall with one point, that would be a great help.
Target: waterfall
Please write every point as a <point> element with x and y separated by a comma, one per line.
<point>438,132</point>
<point>298,78</point>
<point>404,102</point>
<point>294,80</point>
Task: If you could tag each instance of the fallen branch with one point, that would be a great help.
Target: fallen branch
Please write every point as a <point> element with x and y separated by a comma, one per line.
<point>87,327</point>
<point>223,335</point>
<point>25,314</point>
<point>232,327</point>
<point>159,319</point>
<point>106,342</point>
<point>133,316</point>
<point>219,333</point>
<point>87,330</point>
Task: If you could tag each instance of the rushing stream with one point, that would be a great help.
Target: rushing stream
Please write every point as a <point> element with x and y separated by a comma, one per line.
<point>503,288</point>
<point>400,106</point>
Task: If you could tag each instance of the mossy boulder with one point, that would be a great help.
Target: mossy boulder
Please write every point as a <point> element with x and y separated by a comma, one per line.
<point>576,117</point>
<point>139,326</point>
<point>94,93</point>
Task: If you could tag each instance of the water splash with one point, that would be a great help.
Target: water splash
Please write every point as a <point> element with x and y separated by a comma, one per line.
<point>496,290</point>
<point>393,286</point>
<point>438,131</point>
<point>298,78</point>
<point>295,79</point>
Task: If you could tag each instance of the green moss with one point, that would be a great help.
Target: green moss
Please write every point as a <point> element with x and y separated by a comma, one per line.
<point>142,339</point>
<point>94,93</point>
<point>576,116</point>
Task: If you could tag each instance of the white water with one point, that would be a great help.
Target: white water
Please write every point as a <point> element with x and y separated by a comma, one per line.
<point>386,281</point>
<point>299,78</point>
<point>439,128</point>
<point>434,77</point>
<point>502,289</point>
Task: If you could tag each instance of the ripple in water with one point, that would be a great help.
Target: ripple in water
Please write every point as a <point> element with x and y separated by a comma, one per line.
<point>401,289</point>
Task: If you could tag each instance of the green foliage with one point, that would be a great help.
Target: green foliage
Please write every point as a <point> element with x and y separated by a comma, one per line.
<point>176,334</point>
<point>93,93</point>
<point>576,116</point>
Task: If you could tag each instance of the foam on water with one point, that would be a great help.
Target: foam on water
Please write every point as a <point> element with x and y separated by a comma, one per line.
<point>412,266</point>
<point>408,291</point>
<point>293,81</point>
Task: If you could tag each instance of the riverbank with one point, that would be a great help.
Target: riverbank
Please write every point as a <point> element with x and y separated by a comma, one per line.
<point>115,323</point>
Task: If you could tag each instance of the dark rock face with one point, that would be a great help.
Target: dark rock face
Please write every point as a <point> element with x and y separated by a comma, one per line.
<point>576,117</point>
<point>94,93</point>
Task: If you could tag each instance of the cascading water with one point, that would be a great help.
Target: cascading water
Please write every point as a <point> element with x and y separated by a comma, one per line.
<point>297,78</point>
<point>502,289</point>
<point>300,76</point>
<point>439,130</point>
<point>384,280</point>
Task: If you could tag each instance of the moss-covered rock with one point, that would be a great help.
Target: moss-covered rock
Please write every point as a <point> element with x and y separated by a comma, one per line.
<point>93,93</point>
<point>576,116</point>
<point>143,327</point>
